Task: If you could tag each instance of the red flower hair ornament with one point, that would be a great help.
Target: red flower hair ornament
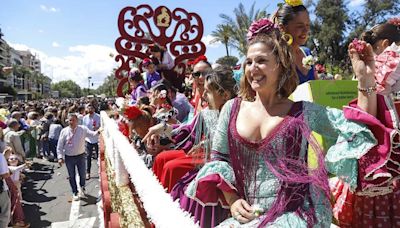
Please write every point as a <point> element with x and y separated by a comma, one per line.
<point>262,25</point>
<point>201,58</point>
<point>132,112</point>
<point>395,21</point>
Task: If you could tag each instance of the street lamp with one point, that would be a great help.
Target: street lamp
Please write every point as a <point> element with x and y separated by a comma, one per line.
<point>89,84</point>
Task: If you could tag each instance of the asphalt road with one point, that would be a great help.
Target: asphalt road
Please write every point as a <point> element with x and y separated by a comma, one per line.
<point>47,195</point>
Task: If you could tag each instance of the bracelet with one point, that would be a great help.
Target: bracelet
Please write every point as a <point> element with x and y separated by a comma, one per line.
<point>367,90</point>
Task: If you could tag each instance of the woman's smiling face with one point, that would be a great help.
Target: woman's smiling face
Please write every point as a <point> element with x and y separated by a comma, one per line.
<point>261,67</point>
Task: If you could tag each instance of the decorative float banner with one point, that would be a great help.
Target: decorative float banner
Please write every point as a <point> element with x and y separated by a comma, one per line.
<point>178,32</point>
<point>126,163</point>
<point>332,93</point>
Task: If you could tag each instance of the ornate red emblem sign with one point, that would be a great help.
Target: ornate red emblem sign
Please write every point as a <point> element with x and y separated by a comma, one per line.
<point>178,32</point>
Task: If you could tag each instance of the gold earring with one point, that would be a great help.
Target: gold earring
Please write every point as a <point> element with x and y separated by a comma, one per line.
<point>288,38</point>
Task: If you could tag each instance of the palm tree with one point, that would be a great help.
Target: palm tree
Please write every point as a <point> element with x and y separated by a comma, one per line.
<point>240,24</point>
<point>222,34</point>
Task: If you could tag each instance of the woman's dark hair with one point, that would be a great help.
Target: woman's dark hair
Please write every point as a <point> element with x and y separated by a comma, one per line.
<point>286,13</point>
<point>387,31</point>
<point>155,48</point>
<point>221,80</point>
<point>143,101</point>
<point>160,87</point>
<point>135,76</point>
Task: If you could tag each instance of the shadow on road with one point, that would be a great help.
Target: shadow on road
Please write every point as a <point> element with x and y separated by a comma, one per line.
<point>33,216</point>
<point>88,200</point>
<point>34,193</point>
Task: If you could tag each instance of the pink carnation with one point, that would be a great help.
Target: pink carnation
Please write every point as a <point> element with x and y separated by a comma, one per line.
<point>395,21</point>
<point>263,25</point>
<point>358,45</point>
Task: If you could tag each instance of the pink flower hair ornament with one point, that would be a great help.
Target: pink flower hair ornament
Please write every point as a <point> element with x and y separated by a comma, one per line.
<point>263,25</point>
<point>395,21</point>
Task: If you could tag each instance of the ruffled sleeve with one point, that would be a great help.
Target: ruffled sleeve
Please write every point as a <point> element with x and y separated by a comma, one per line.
<point>350,140</point>
<point>215,176</point>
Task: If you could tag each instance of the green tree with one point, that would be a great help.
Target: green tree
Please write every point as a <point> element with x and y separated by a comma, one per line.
<point>239,25</point>
<point>222,34</point>
<point>109,86</point>
<point>228,60</point>
<point>374,12</point>
<point>67,88</point>
<point>328,30</point>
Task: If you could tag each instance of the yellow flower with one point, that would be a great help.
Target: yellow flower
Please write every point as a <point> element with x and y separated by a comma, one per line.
<point>294,2</point>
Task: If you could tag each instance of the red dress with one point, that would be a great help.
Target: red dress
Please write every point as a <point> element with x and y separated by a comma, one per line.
<point>170,166</point>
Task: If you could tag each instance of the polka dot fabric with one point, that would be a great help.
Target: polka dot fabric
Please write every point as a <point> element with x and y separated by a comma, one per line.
<point>356,211</point>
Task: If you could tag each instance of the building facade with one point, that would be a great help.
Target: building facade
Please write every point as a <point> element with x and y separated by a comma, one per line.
<point>26,79</point>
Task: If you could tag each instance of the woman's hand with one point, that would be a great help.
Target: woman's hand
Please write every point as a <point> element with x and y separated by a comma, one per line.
<point>196,151</point>
<point>153,134</point>
<point>242,211</point>
<point>363,64</point>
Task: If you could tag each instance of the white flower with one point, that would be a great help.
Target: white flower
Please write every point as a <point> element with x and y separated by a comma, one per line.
<point>308,61</point>
<point>163,94</point>
<point>257,210</point>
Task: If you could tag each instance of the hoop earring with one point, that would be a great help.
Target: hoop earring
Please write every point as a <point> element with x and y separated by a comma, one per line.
<point>288,38</point>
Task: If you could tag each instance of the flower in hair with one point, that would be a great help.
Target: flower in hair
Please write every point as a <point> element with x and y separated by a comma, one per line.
<point>263,25</point>
<point>132,112</point>
<point>358,45</point>
<point>294,2</point>
<point>395,21</point>
<point>197,60</point>
<point>309,61</point>
<point>163,94</point>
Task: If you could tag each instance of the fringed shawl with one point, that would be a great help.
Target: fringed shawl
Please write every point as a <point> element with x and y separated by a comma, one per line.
<point>284,153</point>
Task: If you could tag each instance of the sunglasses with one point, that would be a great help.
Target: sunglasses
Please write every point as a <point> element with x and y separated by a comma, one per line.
<point>197,74</point>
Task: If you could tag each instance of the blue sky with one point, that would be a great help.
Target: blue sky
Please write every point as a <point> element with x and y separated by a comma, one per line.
<point>73,38</point>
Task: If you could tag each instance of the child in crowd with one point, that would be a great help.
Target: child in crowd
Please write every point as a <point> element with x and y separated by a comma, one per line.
<point>152,76</point>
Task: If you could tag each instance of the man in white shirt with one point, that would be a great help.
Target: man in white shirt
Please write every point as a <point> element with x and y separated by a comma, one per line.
<point>5,201</point>
<point>71,148</point>
<point>92,122</point>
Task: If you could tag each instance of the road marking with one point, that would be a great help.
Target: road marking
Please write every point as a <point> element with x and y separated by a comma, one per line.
<point>74,214</point>
<point>79,223</point>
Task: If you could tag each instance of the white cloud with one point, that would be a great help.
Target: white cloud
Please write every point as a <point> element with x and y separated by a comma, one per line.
<point>55,44</point>
<point>207,41</point>
<point>355,3</point>
<point>49,9</point>
<point>82,61</point>
<point>41,31</point>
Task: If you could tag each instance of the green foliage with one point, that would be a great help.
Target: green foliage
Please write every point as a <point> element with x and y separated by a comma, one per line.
<point>109,86</point>
<point>67,88</point>
<point>239,24</point>
<point>10,90</point>
<point>328,30</point>
<point>222,34</point>
<point>228,60</point>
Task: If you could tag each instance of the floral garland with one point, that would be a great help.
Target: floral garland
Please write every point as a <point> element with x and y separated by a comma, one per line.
<point>160,208</point>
